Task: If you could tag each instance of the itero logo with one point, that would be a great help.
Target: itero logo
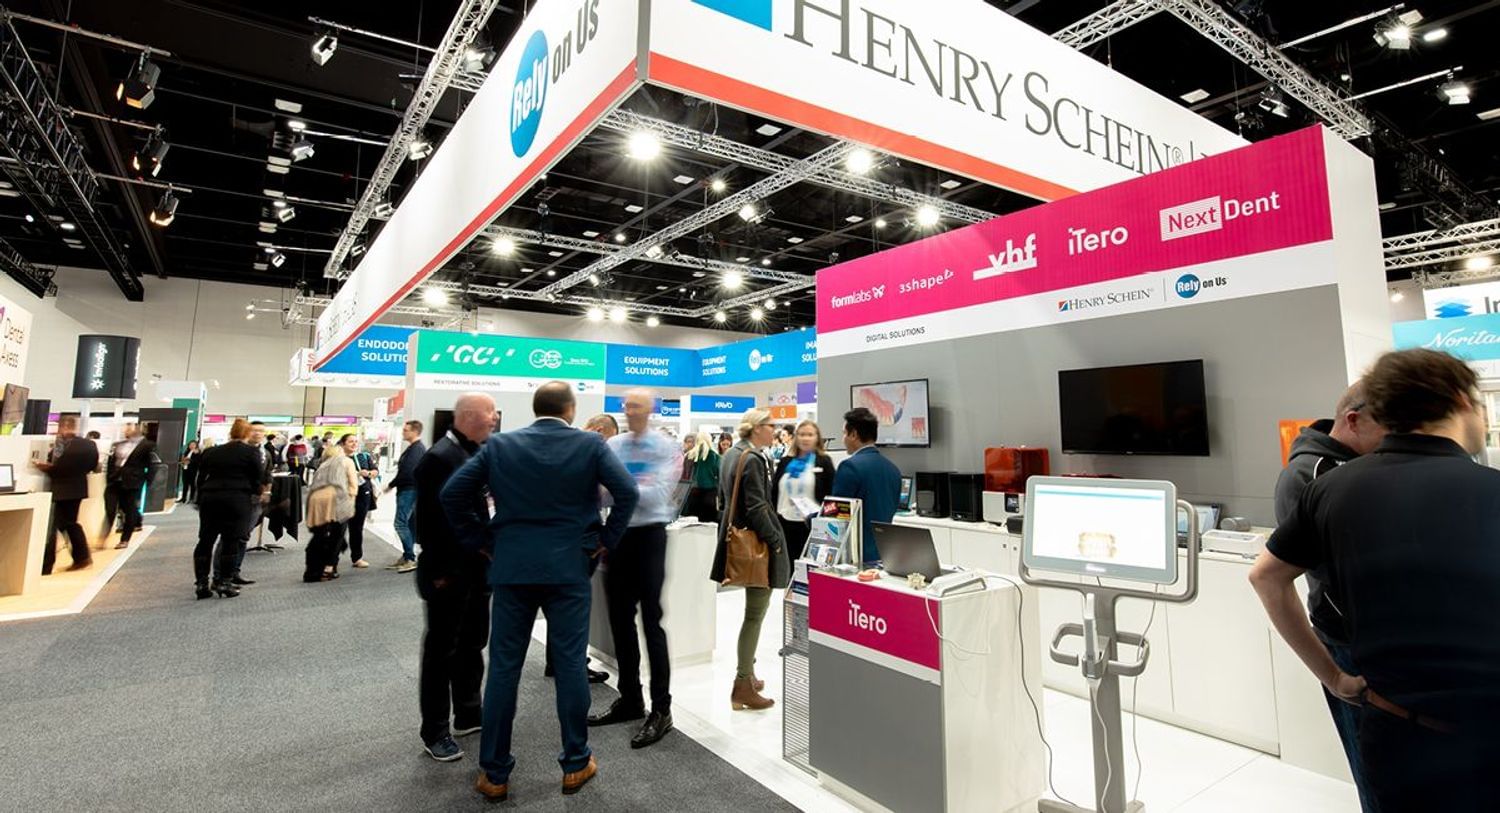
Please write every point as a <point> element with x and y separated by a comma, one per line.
<point>754,12</point>
<point>529,95</point>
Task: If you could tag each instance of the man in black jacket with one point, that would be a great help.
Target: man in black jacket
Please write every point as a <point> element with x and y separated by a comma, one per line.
<point>405,484</point>
<point>452,581</point>
<point>125,480</point>
<point>73,459</point>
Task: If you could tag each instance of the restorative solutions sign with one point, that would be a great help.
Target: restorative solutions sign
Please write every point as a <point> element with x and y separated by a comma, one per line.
<point>1475,339</point>
<point>569,63</point>
<point>793,354</point>
<point>457,361</point>
<point>957,84</point>
<point>1132,247</point>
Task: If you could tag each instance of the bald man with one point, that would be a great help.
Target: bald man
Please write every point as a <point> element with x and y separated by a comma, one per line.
<point>635,573</point>
<point>451,581</point>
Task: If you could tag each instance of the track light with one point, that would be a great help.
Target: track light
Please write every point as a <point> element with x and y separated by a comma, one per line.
<point>278,260</point>
<point>721,317</point>
<point>384,210</point>
<point>434,297</point>
<point>419,149</point>
<point>504,247</point>
<point>1454,91</point>
<point>595,314</point>
<point>1395,32</point>
<point>139,88</point>
<point>718,185</point>
<point>654,252</point>
<point>285,213</point>
<point>732,280</point>
<point>643,146</point>
<point>748,212</point>
<point>357,249</point>
<point>165,211</point>
<point>1273,101</point>
<point>860,161</point>
<point>301,150</point>
<point>323,46</point>
<point>618,315</point>
<point>477,58</point>
<point>927,216</point>
<point>147,160</point>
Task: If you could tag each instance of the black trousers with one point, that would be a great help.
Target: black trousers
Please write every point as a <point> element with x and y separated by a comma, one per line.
<point>362,500</point>
<point>65,521</point>
<point>126,499</point>
<point>796,532</point>
<point>1410,768</point>
<point>223,518</point>
<point>189,484</point>
<point>323,550</point>
<point>703,504</point>
<point>458,627</point>
<point>634,575</point>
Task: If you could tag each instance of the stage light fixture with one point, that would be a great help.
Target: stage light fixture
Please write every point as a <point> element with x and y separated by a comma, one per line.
<point>721,317</point>
<point>504,247</point>
<point>1273,101</point>
<point>770,304</point>
<point>249,316</point>
<point>357,249</point>
<point>618,315</point>
<point>595,314</point>
<point>285,213</point>
<point>1454,91</point>
<point>477,58</point>
<point>250,307</point>
<point>619,237</point>
<point>323,46</point>
<point>927,216</point>
<point>66,226</point>
<point>718,185</point>
<point>434,297</point>
<point>756,314</point>
<point>138,89</point>
<point>278,260</point>
<point>147,160</point>
<point>860,161</point>
<point>301,150</point>
<point>643,146</point>
<point>165,211</point>
<point>880,223</point>
<point>419,149</point>
<point>749,213</point>
<point>653,321</point>
<point>594,280</point>
<point>1479,263</point>
<point>654,252</point>
<point>732,280</point>
<point>1435,35</point>
<point>384,210</point>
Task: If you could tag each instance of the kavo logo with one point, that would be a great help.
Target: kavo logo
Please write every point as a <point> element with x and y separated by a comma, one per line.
<point>858,297</point>
<point>754,12</point>
<point>529,95</point>
<point>757,359</point>
<point>545,359</point>
<point>1010,260</point>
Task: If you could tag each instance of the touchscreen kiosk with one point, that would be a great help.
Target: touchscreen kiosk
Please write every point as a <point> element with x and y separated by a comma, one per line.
<point>1118,529</point>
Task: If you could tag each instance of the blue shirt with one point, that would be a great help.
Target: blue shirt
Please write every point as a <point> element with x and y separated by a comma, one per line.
<point>870,477</point>
<point>655,461</point>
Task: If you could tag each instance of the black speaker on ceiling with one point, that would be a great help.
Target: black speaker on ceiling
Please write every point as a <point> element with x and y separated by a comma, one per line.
<point>932,493</point>
<point>966,497</point>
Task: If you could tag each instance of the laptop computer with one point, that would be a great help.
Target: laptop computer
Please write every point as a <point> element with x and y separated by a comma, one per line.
<point>7,478</point>
<point>904,550</point>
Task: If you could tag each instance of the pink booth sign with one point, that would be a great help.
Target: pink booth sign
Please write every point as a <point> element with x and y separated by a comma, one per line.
<point>890,622</point>
<point>1087,255</point>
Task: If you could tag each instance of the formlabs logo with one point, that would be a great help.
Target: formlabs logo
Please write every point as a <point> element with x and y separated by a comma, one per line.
<point>1012,259</point>
<point>859,297</point>
<point>1210,214</point>
<point>859,619</point>
<point>1082,303</point>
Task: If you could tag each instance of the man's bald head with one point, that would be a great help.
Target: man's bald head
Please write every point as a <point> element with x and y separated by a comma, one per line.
<point>474,416</point>
<point>638,405</point>
<point>554,399</point>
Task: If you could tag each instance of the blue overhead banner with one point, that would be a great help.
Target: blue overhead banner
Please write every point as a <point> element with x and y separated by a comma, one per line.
<point>638,365</point>
<point>380,350</point>
<point>720,404</point>
<point>615,405</point>
<point>783,355</point>
<point>1475,339</point>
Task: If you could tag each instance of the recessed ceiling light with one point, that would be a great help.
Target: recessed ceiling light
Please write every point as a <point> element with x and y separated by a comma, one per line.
<point>880,223</point>
<point>634,208</point>
<point>768,129</point>
<point>700,273</point>
<point>951,183</point>
<point>853,219</point>
<point>620,237</point>
<point>766,262</point>
<point>1194,96</point>
<point>66,226</point>
<point>551,272</point>
<point>287,107</point>
<point>794,240</point>
<point>591,233</point>
<point>683,179</point>
<point>1492,113</point>
<point>662,287</point>
<point>742,259</point>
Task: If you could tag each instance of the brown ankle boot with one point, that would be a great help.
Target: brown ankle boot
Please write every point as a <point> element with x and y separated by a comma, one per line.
<point>745,696</point>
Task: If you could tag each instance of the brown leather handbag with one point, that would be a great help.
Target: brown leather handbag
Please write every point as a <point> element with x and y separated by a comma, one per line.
<point>747,559</point>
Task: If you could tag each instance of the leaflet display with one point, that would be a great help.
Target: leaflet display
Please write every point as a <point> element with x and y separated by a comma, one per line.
<point>1123,529</point>
<point>901,407</point>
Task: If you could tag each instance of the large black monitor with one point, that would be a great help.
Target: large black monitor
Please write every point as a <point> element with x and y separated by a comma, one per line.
<point>1141,409</point>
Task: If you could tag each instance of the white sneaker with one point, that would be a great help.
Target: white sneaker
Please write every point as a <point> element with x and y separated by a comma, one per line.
<point>361,563</point>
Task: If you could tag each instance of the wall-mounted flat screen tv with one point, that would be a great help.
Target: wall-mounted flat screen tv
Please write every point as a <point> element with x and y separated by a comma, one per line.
<point>1141,409</point>
<point>902,409</point>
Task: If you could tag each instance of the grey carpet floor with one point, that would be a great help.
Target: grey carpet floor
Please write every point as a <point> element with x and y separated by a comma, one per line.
<point>289,697</point>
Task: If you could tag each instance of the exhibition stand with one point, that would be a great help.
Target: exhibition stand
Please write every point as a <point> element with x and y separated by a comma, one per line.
<point>24,521</point>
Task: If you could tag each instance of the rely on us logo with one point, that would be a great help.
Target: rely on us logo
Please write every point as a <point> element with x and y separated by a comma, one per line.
<point>754,12</point>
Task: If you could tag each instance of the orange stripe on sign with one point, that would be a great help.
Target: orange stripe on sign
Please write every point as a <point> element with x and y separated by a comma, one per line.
<point>575,130</point>
<point>699,82</point>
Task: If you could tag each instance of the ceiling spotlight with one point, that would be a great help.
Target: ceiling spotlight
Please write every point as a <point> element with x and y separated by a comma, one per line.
<point>301,149</point>
<point>285,213</point>
<point>1454,91</point>
<point>718,185</point>
<point>721,317</point>
<point>766,262</point>
<point>250,315</point>
<point>66,226</point>
<point>619,237</point>
<point>434,297</point>
<point>1479,263</point>
<point>1396,37</point>
<point>732,280</point>
<point>654,252</point>
<point>503,246</point>
<point>927,216</point>
<point>296,125</point>
<point>478,58</point>
<point>278,259</point>
<point>357,249</point>
<point>643,146</point>
<point>1397,296</point>
<point>594,280</point>
<point>384,210</point>
<point>770,304</point>
<point>595,314</point>
<point>419,149</point>
<point>165,211</point>
<point>860,161</point>
<point>880,223</point>
<point>1435,35</point>
<point>756,314</point>
<point>250,307</point>
<point>551,272</point>
<point>279,204</point>
<point>1273,101</point>
<point>653,321</point>
<point>30,218</point>
<point>323,46</point>
<point>618,315</point>
<point>139,88</point>
<point>147,160</point>
<point>748,212</point>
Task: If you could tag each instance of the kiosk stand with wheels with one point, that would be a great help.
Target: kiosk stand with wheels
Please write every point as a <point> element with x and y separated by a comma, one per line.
<point>1123,531</point>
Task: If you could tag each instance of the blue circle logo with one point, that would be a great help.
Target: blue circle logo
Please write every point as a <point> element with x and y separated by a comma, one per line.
<point>1188,286</point>
<point>529,95</point>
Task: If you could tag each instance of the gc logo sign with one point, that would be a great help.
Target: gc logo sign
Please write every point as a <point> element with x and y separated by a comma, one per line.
<point>545,359</point>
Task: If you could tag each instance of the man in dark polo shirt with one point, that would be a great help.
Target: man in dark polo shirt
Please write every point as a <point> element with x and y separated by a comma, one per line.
<point>1410,536</point>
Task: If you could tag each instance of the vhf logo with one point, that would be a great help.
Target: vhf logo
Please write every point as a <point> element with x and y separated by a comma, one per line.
<point>1014,258</point>
<point>1210,214</point>
<point>1188,285</point>
<point>754,12</point>
<point>540,69</point>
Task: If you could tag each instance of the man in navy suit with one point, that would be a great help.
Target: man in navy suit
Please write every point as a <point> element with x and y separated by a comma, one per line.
<point>867,475</point>
<point>544,480</point>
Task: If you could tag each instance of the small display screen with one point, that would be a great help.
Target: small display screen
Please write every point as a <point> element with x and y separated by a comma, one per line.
<point>1125,530</point>
<point>905,500</point>
<point>901,408</point>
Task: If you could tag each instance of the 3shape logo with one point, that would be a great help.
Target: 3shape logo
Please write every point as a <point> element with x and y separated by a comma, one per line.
<point>754,12</point>
<point>529,95</point>
<point>545,359</point>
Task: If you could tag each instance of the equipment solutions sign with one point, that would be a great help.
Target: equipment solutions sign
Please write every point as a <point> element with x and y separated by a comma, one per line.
<point>15,337</point>
<point>570,62</point>
<point>957,84</point>
<point>782,355</point>
<point>448,361</point>
<point>638,365</point>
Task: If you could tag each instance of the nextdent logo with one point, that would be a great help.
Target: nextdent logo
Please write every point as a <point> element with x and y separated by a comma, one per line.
<point>757,359</point>
<point>754,12</point>
<point>529,95</point>
<point>1082,303</point>
<point>545,359</point>
<point>858,297</point>
<point>1210,214</point>
<point>1010,260</point>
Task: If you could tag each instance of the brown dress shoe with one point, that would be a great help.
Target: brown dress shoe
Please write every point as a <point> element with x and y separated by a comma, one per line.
<point>86,563</point>
<point>489,790</point>
<point>745,696</point>
<point>574,782</point>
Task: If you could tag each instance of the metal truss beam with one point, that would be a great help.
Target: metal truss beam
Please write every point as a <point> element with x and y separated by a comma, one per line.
<point>1447,279</point>
<point>665,258</point>
<point>1106,22</point>
<point>817,162</point>
<point>36,280</point>
<point>688,138</point>
<point>1438,256</point>
<point>467,23</point>
<point>756,297</point>
<point>1436,237</point>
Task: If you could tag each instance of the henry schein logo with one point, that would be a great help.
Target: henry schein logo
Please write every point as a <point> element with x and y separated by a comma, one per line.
<point>859,297</point>
<point>1081,303</point>
<point>1010,260</point>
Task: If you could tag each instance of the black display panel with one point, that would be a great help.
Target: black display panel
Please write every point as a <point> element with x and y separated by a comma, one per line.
<point>106,367</point>
<point>1142,409</point>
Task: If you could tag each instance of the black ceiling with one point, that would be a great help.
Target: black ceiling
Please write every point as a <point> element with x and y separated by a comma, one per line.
<point>231,62</point>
